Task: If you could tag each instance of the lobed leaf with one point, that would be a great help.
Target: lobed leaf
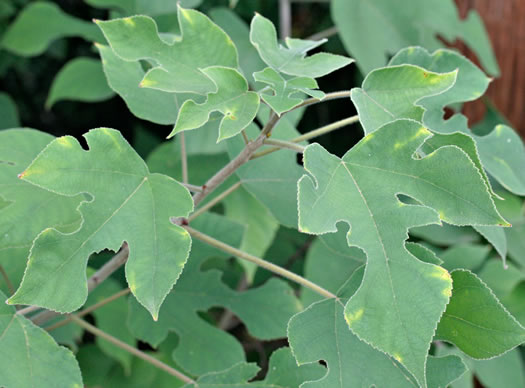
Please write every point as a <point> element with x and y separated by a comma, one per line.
<point>291,59</point>
<point>202,347</point>
<point>136,211</point>
<point>33,359</point>
<point>23,201</point>
<point>231,98</point>
<point>347,190</point>
<point>282,99</point>
<point>178,65</point>
<point>39,24</point>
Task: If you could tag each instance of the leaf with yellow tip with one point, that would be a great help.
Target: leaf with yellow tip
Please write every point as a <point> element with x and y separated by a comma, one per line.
<point>127,203</point>
<point>178,70</point>
<point>362,190</point>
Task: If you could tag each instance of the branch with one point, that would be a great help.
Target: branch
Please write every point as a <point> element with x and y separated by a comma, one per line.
<point>193,188</point>
<point>146,357</point>
<point>7,281</point>
<point>285,19</point>
<point>90,309</point>
<point>260,262</point>
<point>184,158</point>
<point>285,144</point>
<point>214,201</point>
<point>310,135</point>
<point>329,32</point>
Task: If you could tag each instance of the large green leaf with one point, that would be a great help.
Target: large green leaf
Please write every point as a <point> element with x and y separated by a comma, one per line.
<point>502,152</point>
<point>203,348</point>
<point>8,112</point>
<point>476,322</point>
<point>387,27</point>
<point>128,203</point>
<point>81,79</point>
<point>231,99</point>
<point>146,7</point>
<point>39,24</point>
<point>361,189</point>
<point>23,201</point>
<point>291,59</point>
<point>178,65</point>
<point>30,358</point>
<point>149,104</point>
<point>321,333</point>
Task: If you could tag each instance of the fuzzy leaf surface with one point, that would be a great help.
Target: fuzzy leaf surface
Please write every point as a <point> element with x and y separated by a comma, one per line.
<point>347,190</point>
<point>291,59</point>
<point>231,98</point>
<point>33,358</point>
<point>23,201</point>
<point>202,44</point>
<point>128,203</point>
<point>204,348</point>
<point>502,151</point>
<point>282,99</point>
<point>476,322</point>
<point>81,79</point>
<point>41,23</point>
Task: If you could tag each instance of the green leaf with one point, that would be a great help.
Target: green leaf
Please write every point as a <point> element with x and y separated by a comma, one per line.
<point>23,201</point>
<point>503,155</point>
<point>321,333</point>
<point>441,371</point>
<point>30,357</point>
<point>202,44</point>
<point>496,237</point>
<point>283,372</point>
<point>392,93</point>
<point>502,152</point>
<point>291,59</point>
<point>202,347</point>
<point>8,112</point>
<point>501,280</point>
<point>445,234</point>
<point>55,277</point>
<point>379,223</point>
<point>476,322</point>
<point>467,256</point>
<point>231,98</point>
<point>81,79</point>
<point>41,23</point>
<point>387,28</point>
<point>505,371</point>
<point>329,263</point>
<point>239,31</point>
<point>149,104</point>
<point>146,7</point>
<point>282,100</point>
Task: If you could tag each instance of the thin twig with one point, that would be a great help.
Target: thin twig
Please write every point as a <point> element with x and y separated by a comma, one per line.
<point>192,188</point>
<point>136,352</point>
<point>310,135</point>
<point>245,137</point>
<point>28,310</point>
<point>214,201</point>
<point>98,277</point>
<point>7,281</point>
<point>285,19</point>
<point>285,144</point>
<point>234,164</point>
<point>184,158</point>
<point>89,309</point>
<point>260,262</point>
<point>325,34</point>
